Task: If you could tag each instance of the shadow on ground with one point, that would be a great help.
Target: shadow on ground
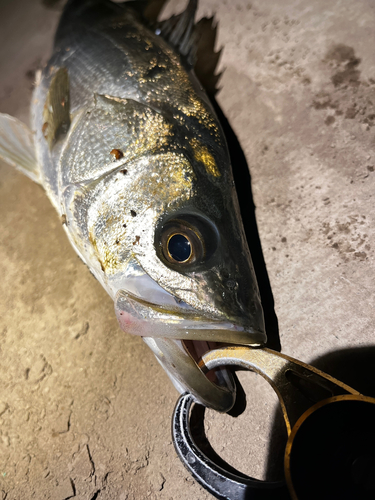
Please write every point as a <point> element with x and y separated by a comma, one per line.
<point>242,179</point>
<point>353,366</point>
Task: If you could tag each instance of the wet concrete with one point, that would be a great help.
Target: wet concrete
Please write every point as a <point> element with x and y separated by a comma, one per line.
<point>85,409</point>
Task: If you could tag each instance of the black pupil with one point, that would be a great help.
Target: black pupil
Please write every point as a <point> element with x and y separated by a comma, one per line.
<point>179,247</point>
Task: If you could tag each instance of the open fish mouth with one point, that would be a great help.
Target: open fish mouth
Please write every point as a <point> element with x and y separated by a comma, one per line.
<point>179,335</point>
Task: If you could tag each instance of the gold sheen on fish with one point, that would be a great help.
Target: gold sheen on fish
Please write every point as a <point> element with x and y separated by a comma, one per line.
<point>126,144</point>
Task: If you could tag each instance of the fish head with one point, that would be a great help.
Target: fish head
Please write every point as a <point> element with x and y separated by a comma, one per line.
<point>180,266</point>
<point>189,281</point>
<point>162,232</point>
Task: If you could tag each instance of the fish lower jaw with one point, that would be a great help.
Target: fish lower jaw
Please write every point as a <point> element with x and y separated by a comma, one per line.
<point>179,351</point>
<point>215,389</point>
<point>179,337</point>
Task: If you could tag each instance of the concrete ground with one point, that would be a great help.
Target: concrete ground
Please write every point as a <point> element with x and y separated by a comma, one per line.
<point>85,409</point>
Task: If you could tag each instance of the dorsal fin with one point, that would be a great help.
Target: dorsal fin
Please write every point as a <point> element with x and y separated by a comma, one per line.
<point>206,57</point>
<point>148,9</point>
<point>152,10</point>
<point>195,42</point>
<point>179,31</point>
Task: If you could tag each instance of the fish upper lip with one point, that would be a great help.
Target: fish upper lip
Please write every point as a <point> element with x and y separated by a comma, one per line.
<point>182,323</point>
<point>180,311</point>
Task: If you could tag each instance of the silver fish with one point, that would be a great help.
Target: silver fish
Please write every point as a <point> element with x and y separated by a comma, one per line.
<point>127,146</point>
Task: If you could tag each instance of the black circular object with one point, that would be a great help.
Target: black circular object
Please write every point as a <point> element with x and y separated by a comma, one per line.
<point>216,476</point>
<point>331,451</point>
<point>179,247</point>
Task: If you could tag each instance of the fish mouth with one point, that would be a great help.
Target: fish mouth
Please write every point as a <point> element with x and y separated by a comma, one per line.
<point>179,335</point>
<point>142,317</point>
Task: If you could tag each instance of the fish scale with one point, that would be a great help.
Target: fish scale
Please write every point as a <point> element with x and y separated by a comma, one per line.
<point>125,125</point>
<point>130,152</point>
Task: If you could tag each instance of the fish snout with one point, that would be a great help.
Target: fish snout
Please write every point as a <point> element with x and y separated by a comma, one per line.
<point>239,300</point>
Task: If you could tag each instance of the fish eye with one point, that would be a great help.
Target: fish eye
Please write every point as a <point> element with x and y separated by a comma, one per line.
<point>179,247</point>
<point>182,243</point>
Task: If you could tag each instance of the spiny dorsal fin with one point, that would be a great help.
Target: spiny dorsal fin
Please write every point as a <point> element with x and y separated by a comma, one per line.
<point>196,42</point>
<point>206,57</point>
<point>152,10</point>
<point>179,31</point>
<point>148,9</point>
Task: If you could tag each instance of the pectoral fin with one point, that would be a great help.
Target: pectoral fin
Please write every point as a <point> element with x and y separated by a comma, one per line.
<point>17,146</point>
<point>56,113</point>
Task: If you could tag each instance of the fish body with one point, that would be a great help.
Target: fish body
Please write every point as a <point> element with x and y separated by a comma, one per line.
<point>130,152</point>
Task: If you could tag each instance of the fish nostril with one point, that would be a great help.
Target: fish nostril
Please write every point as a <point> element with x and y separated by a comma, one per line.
<point>231,284</point>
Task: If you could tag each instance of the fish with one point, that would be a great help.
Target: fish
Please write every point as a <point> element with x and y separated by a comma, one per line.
<point>128,148</point>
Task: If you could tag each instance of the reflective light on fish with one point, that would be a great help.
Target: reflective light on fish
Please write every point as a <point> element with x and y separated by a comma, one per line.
<point>179,248</point>
<point>129,150</point>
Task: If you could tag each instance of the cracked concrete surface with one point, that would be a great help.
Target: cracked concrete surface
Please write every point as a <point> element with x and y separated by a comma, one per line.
<point>85,409</point>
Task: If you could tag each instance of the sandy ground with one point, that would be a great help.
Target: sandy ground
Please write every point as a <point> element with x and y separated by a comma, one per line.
<point>85,409</point>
